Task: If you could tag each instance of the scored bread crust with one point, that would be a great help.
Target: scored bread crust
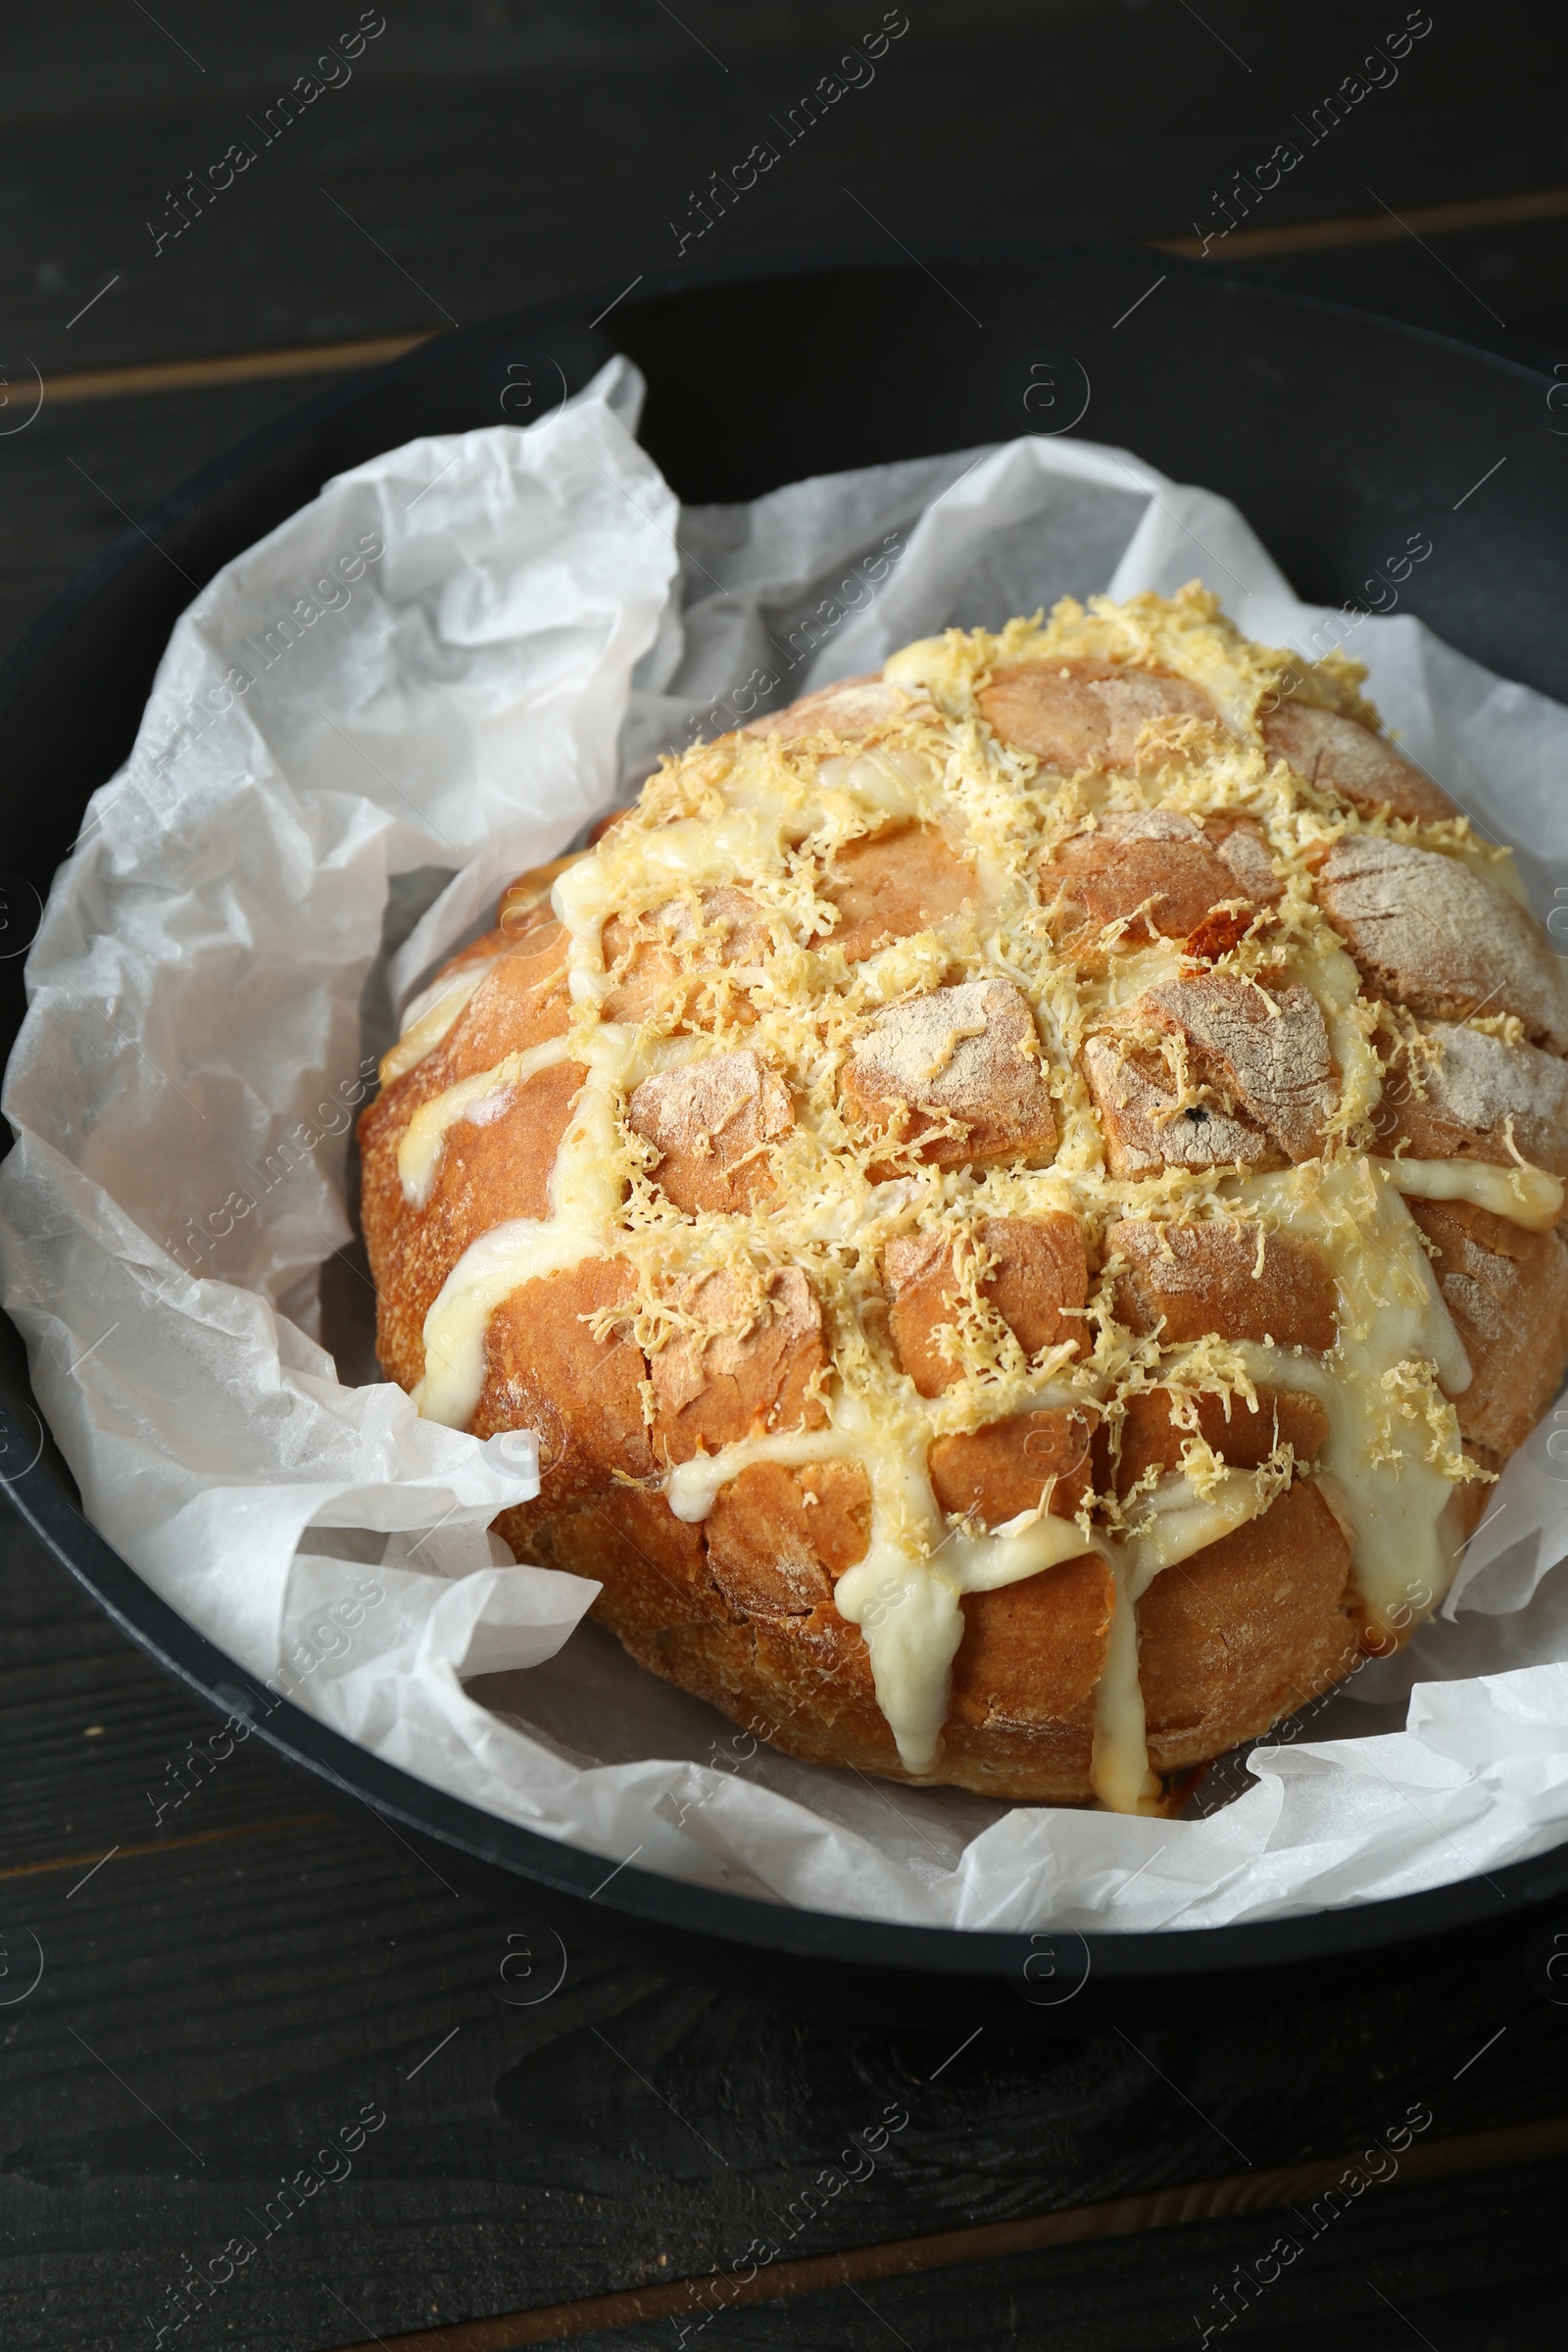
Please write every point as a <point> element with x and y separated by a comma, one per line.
<point>1175,834</point>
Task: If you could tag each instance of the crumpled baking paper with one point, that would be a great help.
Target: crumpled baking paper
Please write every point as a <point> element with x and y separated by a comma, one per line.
<point>426,680</point>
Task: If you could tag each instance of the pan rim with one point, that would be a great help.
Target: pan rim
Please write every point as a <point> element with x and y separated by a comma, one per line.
<point>530,1857</point>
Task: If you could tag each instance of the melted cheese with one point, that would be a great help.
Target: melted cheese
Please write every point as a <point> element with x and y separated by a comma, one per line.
<point>429,1015</point>
<point>1174,1524</point>
<point>1386,1383</point>
<point>1327,970</point>
<point>1525,1196</point>
<point>908,1606</point>
<point>585,1188</point>
<point>904,1594</point>
<point>481,1097</point>
<point>1118,1770</point>
<point>484,1278</point>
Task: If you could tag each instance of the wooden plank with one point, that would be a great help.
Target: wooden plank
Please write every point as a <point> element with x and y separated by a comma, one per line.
<point>98,1751</point>
<point>93,1860</point>
<point>522,159</point>
<point>1382,227</point>
<point>69,482</point>
<point>252,1976</point>
<point>226,368</point>
<point>1474,2265</point>
<point>758,2279</point>
<point>1299,237</point>
<point>628,2130</point>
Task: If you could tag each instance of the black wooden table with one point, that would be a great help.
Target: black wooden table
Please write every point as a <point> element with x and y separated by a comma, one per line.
<point>269,2039</point>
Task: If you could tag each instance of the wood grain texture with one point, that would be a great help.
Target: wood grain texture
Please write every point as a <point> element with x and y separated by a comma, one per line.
<point>72,480</point>
<point>1305,2202</point>
<point>1469,2269</point>
<point>208,2015</point>
<point>622,115</point>
<point>497,154</point>
<point>211,2010</point>
<point>292,360</point>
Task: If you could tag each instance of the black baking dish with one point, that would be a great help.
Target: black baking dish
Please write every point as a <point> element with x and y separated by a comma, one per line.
<point>1329,428</point>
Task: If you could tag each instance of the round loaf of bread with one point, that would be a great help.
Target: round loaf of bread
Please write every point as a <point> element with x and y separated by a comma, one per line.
<point>1019,1196</point>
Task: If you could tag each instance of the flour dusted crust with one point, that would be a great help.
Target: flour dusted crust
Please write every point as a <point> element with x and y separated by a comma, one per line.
<point>1433,933</point>
<point>1353,764</point>
<point>1019,1195</point>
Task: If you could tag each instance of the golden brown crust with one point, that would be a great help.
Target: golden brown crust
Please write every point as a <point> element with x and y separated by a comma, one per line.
<point>755,1374</point>
<point>1023,1683</point>
<point>799,1677</point>
<point>1465,1094</point>
<point>1037,1281</point>
<point>1040,1458</point>
<point>1222,1275</point>
<point>1261,1083</point>
<point>710,1124</point>
<point>546,1371</point>
<point>1247,1631</point>
<point>1241,1435</point>
<point>690,954</point>
<point>1147,1126</point>
<point>1262,1052</point>
<point>955,1075</point>
<point>1086,714</point>
<point>1342,757</point>
<point>496,1168</point>
<point>488,1175</point>
<point>890,885</point>
<point>778,1539</point>
<point>1507,1291</point>
<point>1155,875</point>
<point>1431,934</point>
<point>520,1003</point>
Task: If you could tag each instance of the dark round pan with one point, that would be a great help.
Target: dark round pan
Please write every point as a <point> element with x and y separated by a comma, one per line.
<point>1338,433</point>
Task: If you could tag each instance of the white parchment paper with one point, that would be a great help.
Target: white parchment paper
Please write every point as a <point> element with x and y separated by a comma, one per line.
<point>426,680</point>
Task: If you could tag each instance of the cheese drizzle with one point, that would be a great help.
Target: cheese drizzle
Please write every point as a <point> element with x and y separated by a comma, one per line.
<point>749,814</point>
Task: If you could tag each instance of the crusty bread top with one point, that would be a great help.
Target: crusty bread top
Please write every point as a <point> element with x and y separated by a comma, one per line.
<point>957,1072</point>
<point>711,1122</point>
<point>1441,938</point>
<point>1074,714</point>
<point>1455,1089</point>
<point>933,1074</point>
<point>1352,763</point>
